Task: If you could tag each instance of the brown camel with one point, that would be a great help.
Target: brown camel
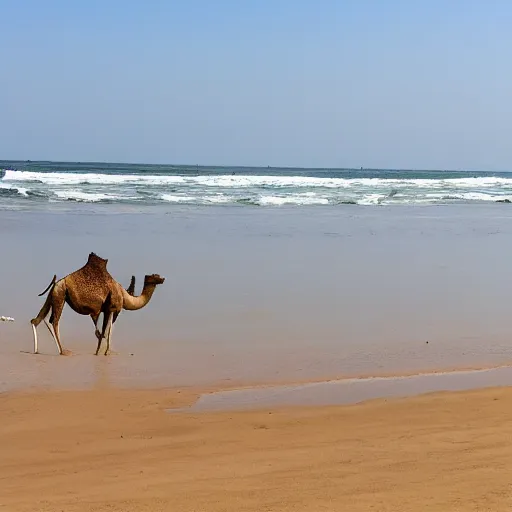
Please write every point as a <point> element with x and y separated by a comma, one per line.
<point>92,285</point>
<point>91,290</point>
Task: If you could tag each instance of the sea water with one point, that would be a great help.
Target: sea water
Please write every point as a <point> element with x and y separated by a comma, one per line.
<point>274,293</point>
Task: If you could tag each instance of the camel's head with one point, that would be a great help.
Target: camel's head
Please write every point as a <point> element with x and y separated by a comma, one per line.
<point>153,279</point>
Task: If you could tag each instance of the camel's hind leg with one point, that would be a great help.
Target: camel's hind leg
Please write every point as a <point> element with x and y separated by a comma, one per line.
<point>55,303</point>
<point>54,336</point>
<point>35,322</point>
<point>58,306</point>
<point>57,337</point>
<point>43,313</point>
<point>50,330</point>
<point>35,339</point>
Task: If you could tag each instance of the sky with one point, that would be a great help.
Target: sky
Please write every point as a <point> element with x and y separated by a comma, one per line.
<point>319,83</point>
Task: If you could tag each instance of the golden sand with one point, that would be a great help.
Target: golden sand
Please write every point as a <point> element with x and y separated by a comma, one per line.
<point>119,450</point>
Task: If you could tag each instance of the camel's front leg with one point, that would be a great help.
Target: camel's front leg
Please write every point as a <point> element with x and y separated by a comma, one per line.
<point>106,317</point>
<point>110,329</point>
<point>99,344</point>
<point>95,317</point>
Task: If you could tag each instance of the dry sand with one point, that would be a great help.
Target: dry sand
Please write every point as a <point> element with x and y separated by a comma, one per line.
<point>118,450</point>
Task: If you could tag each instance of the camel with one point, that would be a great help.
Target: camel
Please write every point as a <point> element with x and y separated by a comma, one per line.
<point>91,290</point>
<point>92,285</point>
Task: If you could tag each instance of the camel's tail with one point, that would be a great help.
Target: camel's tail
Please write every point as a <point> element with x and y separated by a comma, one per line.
<point>46,306</point>
<point>49,286</point>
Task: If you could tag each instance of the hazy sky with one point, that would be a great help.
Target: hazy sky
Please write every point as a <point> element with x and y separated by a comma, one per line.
<point>383,83</point>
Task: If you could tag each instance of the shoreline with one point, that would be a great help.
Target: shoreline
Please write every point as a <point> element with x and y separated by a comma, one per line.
<point>350,391</point>
<point>229,384</point>
<point>338,391</point>
<point>24,370</point>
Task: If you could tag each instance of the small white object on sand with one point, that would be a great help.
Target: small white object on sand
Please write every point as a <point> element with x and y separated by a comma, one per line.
<point>6,319</point>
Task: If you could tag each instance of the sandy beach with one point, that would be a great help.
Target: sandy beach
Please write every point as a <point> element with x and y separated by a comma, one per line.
<point>111,450</point>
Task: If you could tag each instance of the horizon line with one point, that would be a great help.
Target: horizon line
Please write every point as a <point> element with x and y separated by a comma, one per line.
<point>278,167</point>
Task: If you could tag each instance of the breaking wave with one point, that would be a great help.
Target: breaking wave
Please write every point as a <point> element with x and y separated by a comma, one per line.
<point>104,183</point>
<point>230,181</point>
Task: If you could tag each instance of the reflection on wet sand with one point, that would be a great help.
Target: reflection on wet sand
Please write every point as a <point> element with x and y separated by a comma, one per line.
<point>350,391</point>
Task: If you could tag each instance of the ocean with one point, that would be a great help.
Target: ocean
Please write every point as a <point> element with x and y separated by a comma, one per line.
<point>26,184</point>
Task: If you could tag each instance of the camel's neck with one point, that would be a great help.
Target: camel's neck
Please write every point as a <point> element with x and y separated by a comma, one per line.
<point>131,303</point>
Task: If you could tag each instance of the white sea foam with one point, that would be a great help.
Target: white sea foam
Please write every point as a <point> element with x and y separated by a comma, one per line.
<point>177,199</point>
<point>264,190</point>
<point>218,199</point>
<point>371,199</point>
<point>64,178</point>
<point>240,181</point>
<point>199,199</point>
<point>20,190</point>
<point>298,199</point>
<point>463,196</point>
<point>86,197</point>
<point>478,196</point>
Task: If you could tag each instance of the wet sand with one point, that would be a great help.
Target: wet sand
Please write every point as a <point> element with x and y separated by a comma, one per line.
<point>348,391</point>
<point>264,295</point>
<point>112,450</point>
